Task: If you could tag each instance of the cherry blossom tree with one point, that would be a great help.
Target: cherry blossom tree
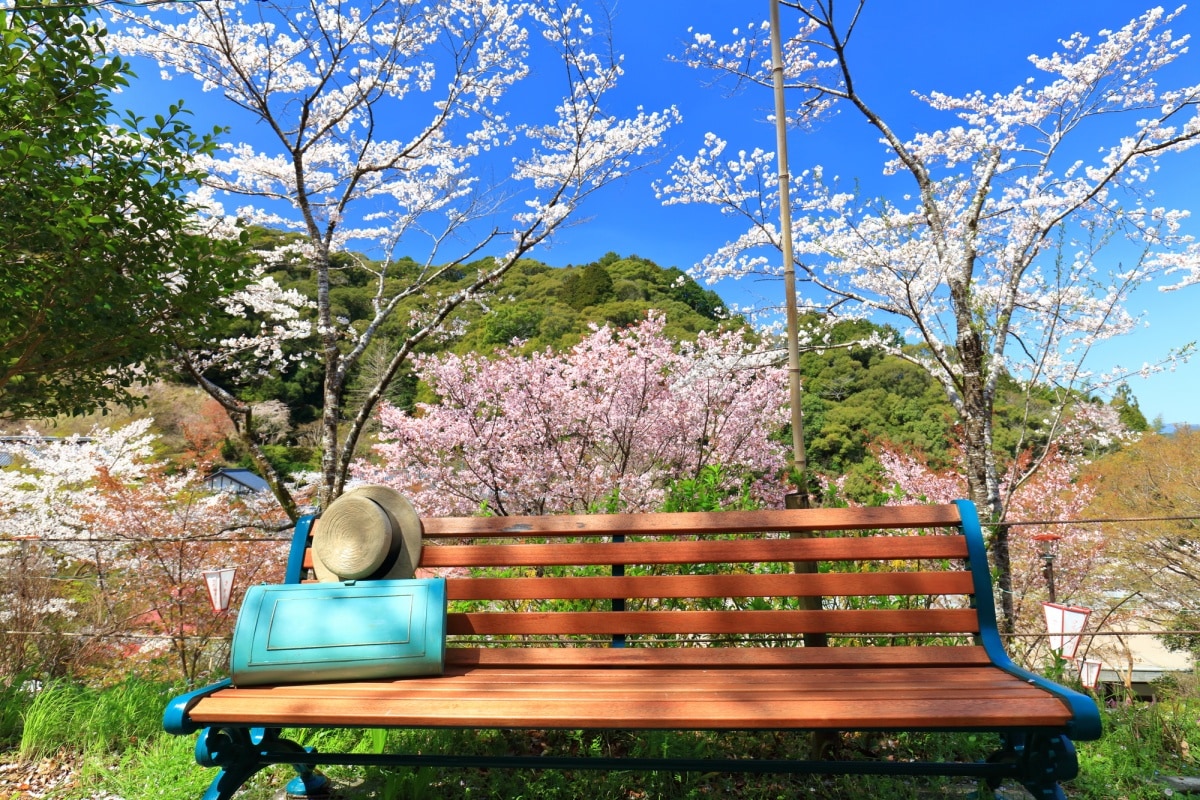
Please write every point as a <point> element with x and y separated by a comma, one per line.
<point>41,497</point>
<point>395,127</point>
<point>607,425</point>
<point>991,244</point>
<point>1057,493</point>
<point>123,537</point>
<point>170,529</point>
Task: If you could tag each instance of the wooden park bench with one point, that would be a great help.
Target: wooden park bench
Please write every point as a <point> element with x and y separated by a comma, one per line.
<point>686,621</point>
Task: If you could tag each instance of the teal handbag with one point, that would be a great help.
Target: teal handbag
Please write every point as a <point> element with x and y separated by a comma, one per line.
<point>353,630</point>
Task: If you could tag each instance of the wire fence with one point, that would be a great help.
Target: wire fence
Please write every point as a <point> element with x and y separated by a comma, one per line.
<point>219,536</point>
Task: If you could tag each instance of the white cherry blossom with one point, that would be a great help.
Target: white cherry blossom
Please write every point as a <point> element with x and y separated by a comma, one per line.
<point>989,246</point>
<point>393,127</point>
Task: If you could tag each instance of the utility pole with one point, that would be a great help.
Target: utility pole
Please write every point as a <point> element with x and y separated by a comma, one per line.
<point>799,462</point>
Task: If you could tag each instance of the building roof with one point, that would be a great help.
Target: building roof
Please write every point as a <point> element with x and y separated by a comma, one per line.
<point>239,480</point>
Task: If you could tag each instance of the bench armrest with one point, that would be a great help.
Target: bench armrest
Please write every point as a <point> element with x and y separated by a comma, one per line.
<point>175,717</point>
<point>295,562</point>
<point>1085,724</point>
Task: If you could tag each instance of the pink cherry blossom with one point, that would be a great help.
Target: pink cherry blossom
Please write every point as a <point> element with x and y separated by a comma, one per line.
<point>608,424</point>
<point>141,529</point>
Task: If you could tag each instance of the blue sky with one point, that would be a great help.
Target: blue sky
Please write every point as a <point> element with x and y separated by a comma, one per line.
<point>952,46</point>
<point>946,45</point>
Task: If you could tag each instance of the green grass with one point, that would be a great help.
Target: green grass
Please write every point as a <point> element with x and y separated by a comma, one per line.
<point>1141,742</point>
<point>162,767</point>
<point>93,721</point>
<point>115,733</point>
<point>15,699</point>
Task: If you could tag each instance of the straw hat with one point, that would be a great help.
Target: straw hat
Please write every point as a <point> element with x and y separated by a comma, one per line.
<point>368,533</point>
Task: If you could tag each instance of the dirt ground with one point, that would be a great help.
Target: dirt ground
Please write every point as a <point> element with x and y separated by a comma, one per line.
<point>32,779</point>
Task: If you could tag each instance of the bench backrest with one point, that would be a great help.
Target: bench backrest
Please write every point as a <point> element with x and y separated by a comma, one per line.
<point>909,582</point>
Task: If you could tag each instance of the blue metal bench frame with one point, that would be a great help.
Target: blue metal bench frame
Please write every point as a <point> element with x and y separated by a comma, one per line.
<point>1037,758</point>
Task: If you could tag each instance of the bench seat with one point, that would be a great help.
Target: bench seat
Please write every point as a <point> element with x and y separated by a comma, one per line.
<point>952,697</point>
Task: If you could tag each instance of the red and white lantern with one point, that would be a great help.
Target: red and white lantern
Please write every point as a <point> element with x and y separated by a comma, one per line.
<point>1065,624</point>
<point>220,587</point>
<point>1089,673</point>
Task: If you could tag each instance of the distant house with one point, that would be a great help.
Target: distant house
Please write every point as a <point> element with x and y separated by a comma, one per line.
<point>236,481</point>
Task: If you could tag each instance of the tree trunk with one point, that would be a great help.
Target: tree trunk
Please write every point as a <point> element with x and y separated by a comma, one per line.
<point>331,400</point>
<point>980,464</point>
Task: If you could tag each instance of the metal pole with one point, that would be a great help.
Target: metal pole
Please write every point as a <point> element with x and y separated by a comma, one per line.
<point>799,462</point>
<point>822,741</point>
<point>1048,573</point>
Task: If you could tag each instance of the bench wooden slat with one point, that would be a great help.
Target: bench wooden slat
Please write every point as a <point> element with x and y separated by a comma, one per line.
<point>700,698</point>
<point>740,585</point>
<point>465,680</point>
<point>735,551</point>
<point>889,656</point>
<point>701,688</point>
<point>707,694</point>
<point>836,714</point>
<point>534,623</point>
<point>677,680</point>
<point>809,519</point>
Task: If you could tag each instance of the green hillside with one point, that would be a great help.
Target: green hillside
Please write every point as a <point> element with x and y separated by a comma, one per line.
<point>855,399</point>
<point>552,307</point>
<point>540,305</point>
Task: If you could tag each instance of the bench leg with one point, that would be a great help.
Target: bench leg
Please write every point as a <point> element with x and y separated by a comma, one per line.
<point>242,752</point>
<point>1042,761</point>
<point>308,783</point>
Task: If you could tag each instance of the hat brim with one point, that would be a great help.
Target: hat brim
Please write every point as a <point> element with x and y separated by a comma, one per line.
<point>404,552</point>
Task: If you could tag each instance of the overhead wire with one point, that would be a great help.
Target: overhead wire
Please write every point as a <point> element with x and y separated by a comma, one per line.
<point>219,537</point>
